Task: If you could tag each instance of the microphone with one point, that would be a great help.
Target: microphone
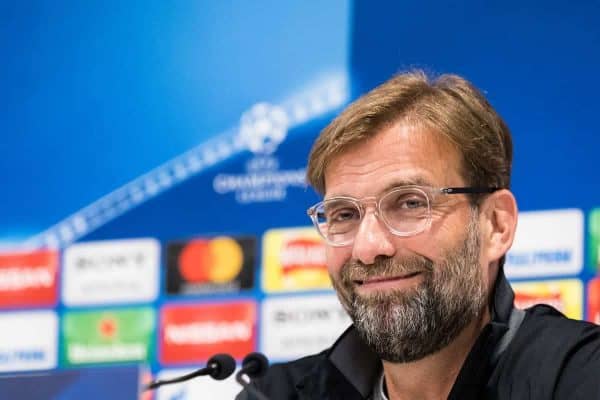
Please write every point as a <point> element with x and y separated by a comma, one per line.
<point>254,365</point>
<point>219,367</point>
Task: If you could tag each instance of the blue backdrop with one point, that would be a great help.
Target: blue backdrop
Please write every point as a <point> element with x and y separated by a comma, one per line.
<point>128,119</point>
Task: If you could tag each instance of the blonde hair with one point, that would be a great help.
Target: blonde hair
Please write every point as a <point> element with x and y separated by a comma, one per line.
<point>449,105</point>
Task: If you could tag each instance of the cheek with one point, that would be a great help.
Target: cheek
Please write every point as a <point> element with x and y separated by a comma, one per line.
<point>445,234</point>
<point>336,258</point>
<point>424,245</point>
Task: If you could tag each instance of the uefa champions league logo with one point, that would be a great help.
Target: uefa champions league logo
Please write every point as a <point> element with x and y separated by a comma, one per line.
<point>263,128</point>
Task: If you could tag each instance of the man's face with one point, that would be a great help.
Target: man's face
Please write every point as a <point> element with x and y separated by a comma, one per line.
<point>408,296</point>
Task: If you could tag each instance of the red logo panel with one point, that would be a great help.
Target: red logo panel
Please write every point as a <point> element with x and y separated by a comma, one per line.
<point>28,278</point>
<point>194,333</point>
<point>594,301</point>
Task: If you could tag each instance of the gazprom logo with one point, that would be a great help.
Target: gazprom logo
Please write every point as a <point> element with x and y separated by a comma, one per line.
<point>547,243</point>
<point>22,355</point>
<point>263,128</point>
<point>540,257</point>
<point>28,340</point>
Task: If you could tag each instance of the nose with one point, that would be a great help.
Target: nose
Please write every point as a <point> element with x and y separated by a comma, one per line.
<point>372,239</point>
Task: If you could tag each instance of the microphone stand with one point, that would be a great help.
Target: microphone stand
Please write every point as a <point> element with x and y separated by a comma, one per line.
<point>247,385</point>
<point>219,367</point>
<point>254,365</point>
<point>155,384</point>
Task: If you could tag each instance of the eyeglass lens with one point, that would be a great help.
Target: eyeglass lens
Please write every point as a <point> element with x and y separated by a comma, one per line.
<point>404,211</point>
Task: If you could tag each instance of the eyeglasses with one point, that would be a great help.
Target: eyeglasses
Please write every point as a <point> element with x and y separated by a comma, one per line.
<point>405,210</point>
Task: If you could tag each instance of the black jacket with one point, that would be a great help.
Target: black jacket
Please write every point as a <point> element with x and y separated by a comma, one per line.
<point>536,354</point>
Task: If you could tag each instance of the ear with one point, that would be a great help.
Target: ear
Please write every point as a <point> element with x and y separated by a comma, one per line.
<point>499,213</point>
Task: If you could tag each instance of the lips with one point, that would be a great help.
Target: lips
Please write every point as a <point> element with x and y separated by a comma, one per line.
<point>380,279</point>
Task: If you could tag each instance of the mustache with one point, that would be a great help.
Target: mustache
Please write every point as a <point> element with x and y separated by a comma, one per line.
<point>385,267</point>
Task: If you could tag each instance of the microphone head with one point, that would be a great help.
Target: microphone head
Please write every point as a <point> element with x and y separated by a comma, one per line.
<point>255,365</point>
<point>222,366</point>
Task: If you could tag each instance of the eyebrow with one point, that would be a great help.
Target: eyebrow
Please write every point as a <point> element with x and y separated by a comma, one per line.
<point>411,181</point>
<point>407,181</point>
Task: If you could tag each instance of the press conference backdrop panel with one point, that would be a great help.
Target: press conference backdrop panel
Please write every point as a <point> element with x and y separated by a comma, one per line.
<point>153,202</point>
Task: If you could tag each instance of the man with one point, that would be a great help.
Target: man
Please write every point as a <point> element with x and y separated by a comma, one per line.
<point>417,217</point>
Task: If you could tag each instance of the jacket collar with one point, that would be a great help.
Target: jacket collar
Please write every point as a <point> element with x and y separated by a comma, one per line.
<point>356,364</point>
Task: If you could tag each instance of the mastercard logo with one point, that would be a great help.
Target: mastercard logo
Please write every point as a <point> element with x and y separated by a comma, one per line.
<point>217,260</point>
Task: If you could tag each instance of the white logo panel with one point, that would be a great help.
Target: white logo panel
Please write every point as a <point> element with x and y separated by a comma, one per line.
<point>202,387</point>
<point>111,271</point>
<point>547,243</point>
<point>28,341</point>
<point>297,326</point>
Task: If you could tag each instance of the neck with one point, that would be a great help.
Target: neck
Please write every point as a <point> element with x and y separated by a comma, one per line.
<point>432,377</point>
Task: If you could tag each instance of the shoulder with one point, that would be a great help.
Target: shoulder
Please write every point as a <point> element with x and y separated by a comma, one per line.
<point>281,379</point>
<point>552,356</point>
<point>546,330</point>
<point>292,372</point>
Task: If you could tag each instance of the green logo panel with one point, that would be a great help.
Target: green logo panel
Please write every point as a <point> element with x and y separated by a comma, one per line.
<point>107,336</point>
<point>594,242</point>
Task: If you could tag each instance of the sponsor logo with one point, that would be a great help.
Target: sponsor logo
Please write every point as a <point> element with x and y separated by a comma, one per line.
<point>594,242</point>
<point>112,271</point>
<point>262,129</point>
<point>593,301</point>
<point>564,295</point>
<point>22,347</point>
<point>194,333</point>
<point>208,332</point>
<point>294,259</point>
<point>220,264</point>
<point>28,278</point>
<point>295,326</point>
<point>91,337</point>
<point>196,388</point>
<point>547,243</point>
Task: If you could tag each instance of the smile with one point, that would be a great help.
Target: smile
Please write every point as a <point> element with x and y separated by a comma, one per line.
<point>382,283</point>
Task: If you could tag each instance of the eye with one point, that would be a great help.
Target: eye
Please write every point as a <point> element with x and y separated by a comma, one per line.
<point>408,201</point>
<point>411,203</point>
<point>344,214</point>
<point>339,211</point>
<point>404,203</point>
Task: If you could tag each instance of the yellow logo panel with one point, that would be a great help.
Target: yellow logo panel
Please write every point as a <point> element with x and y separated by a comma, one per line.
<point>564,295</point>
<point>294,259</point>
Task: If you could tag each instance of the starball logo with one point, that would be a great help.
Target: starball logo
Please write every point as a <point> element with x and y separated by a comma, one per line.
<point>263,128</point>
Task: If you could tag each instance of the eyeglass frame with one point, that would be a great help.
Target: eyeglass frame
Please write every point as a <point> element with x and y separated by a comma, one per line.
<point>427,190</point>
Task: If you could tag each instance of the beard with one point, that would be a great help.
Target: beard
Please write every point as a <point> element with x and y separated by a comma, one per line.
<point>408,324</point>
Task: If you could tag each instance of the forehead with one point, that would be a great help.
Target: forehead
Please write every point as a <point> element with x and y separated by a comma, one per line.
<point>398,154</point>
